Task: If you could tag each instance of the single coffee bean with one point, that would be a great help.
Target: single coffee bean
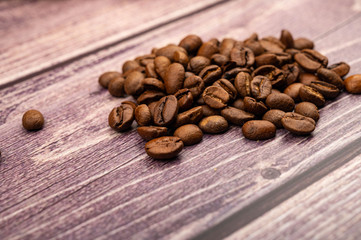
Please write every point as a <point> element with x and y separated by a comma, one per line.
<point>266,59</point>
<point>185,99</point>
<point>292,72</point>
<point>208,111</point>
<point>298,124</point>
<point>161,65</point>
<point>226,46</point>
<point>219,59</point>
<point>106,77</point>
<point>274,116</point>
<point>168,51</point>
<point>227,86</point>
<point>145,59</point>
<point>181,57</point>
<point>306,78</point>
<point>252,106</point>
<point>213,124</point>
<point>152,107</point>
<point>255,46</point>
<point>309,94</point>
<point>188,74</point>
<point>142,115</point>
<point>149,96</point>
<point>272,44</point>
<point>191,43</point>
<point>174,78</point>
<point>231,74</point>
<point>138,69</point>
<point>122,117</point>
<point>116,87</point>
<point>287,39</point>
<point>303,43</point>
<point>308,109</point>
<point>244,57</point>
<point>151,132</point>
<point>353,84</point>
<point>329,91</point>
<point>259,130</point>
<point>243,84</point>
<point>207,49</point>
<point>190,134</point>
<point>275,75</point>
<point>261,87</point>
<point>238,104</point>
<point>33,120</point>
<point>195,84</point>
<point>340,68</point>
<point>283,58</point>
<point>293,91</point>
<point>215,97</point>
<point>150,70</point>
<point>131,104</point>
<point>166,110</point>
<point>210,74</point>
<point>164,147</point>
<point>133,84</point>
<point>197,63</point>
<point>153,84</point>
<point>191,116</point>
<point>280,101</point>
<point>311,60</point>
<point>130,65</point>
<point>236,116</point>
<point>330,76</point>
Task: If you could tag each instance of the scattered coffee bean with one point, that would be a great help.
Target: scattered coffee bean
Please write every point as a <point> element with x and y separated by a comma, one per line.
<point>293,91</point>
<point>329,91</point>
<point>274,116</point>
<point>164,147</point>
<point>213,124</point>
<point>185,99</point>
<point>298,124</point>
<point>340,68</point>
<point>331,77</point>
<point>280,101</point>
<point>174,78</point>
<point>165,111</point>
<point>191,43</point>
<point>309,94</point>
<point>116,87</point>
<point>308,109</point>
<point>192,116</point>
<point>215,97</point>
<point>122,117</point>
<point>106,77</point>
<point>259,130</point>
<point>243,84</point>
<point>228,87</point>
<point>142,115</point>
<point>190,134</point>
<point>261,87</point>
<point>353,84</point>
<point>33,120</point>
<point>252,106</point>
<point>236,116</point>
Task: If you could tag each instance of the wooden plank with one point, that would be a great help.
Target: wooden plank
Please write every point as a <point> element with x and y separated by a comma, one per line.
<point>77,178</point>
<point>46,33</point>
<point>328,209</point>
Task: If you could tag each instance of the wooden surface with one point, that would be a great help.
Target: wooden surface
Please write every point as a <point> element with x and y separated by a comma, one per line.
<point>78,179</point>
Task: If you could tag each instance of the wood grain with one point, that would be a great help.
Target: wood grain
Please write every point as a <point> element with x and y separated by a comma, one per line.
<point>78,179</point>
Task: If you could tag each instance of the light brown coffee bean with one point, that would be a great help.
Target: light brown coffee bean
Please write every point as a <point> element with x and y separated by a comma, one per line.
<point>190,134</point>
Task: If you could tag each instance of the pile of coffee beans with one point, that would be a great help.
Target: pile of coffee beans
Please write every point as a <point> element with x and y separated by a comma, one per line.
<point>183,91</point>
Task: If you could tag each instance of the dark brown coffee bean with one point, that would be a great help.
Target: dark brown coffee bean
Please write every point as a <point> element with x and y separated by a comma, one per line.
<point>130,103</point>
<point>152,107</point>
<point>228,87</point>
<point>255,46</point>
<point>283,58</point>
<point>189,74</point>
<point>181,57</point>
<point>185,99</point>
<point>191,116</point>
<point>259,130</point>
<point>353,84</point>
<point>243,84</point>
<point>329,91</point>
<point>272,44</point>
<point>149,96</point>
<point>292,72</point>
<point>238,104</point>
<point>130,65</point>
<point>151,132</point>
<point>261,87</point>
<point>153,84</point>
<point>236,116</point>
<point>307,78</point>
<point>252,106</point>
<point>303,43</point>
<point>191,43</point>
<point>244,57</point>
<point>195,84</point>
<point>174,78</point>
<point>142,115</point>
<point>116,87</point>
<point>210,74</point>
<point>106,77</point>
<point>208,111</point>
<point>232,73</point>
<point>293,91</point>
<point>215,97</point>
<point>122,117</point>
<point>287,39</point>
<point>309,94</point>
<point>166,110</point>
<point>198,63</point>
<point>298,124</point>
<point>150,70</point>
<point>207,49</point>
<point>226,46</point>
<point>145,59</point>
<point>311,60</point>
<point>164,147</point>
<point>340,68</point>
<point>161,65</point>
<point>308,109</point>
<point>330,76</point>
<point>280,101</point>
<point>133,84</point>
<point>275,75</point>
<point>274,116</point>
<point>190,134</point>
<point>266,59</point>
<point>213,124</point>
<point>33,120</point>
<point>168,51</point>
<point>138,69</point>
<point>219,59</point>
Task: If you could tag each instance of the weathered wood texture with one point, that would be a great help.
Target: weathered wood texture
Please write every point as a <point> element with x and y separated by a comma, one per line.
<point>78,179</point>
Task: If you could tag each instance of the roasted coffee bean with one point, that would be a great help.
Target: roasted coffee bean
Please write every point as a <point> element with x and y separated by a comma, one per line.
<point>232,73</point>
<point>191,43</point>
<point>140,69</point>
<point>207,49</point>
<point>340,68</point>
<point>243,84</point>
<point>130,65</point>
<point>287,39</point>
<point>298,124</point>
<point>164,147</point>
<point>261,87</point>
<point>150,70</point>
<point>200,100</point>
<point>210,74</point>
<point>283,58</point>
<point>238,104</point>
<point>259,130</point>
<point>185,99</point>
<point>116,87</point>
<point>244,57</point>
<point>215,97</point>
<point>309,94</point>
<point>274,116</point>
<point>188,74</point>
<point>308,109</point>
<point>329,91</point>
<point>33,120</point>
<point>272,44</point>
<point>293,91</point>
<point>303,43</point>
<point>219,59</point>
<point>228,87</point>
<point>153,84</point>
<point>266,59</point>
<point>133,84</point>
<point>152,107</point>
<point>142,115</point>
<point>161,65</point>
<point>275,90</point>
<point>226,46</point>
<point>280,101</point>
<point>292,51</point>
<point>149,96</point>
<point>330,76</point>
<point>190,134</point>
<point>122,117</point>
<point>236,116</point>
<point>174,78</point>
<point>181,57</point>
<point>252,106</point>
<point>353,84</point>
<point>166,110</point>
<point>275,75</point>
<point>307,78</point>
<point>191,116</point>
<point>198,63</point>
<point>255,46</point>
<point>168,51</point>
<point>151,132</point>
<point>145,59</point>
<point>130,103</point>
<point>292,72</point>
<point>311,60</point>
<point>208,111</point>
<point>213,124</point>
<point>195,84</point>
<point>106,77</point>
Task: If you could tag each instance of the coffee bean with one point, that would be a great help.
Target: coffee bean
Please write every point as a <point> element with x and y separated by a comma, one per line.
<point>283,58</point>
<point>174,78</point>
<point>261,87</point>
<point>232,73</point>
<point>275,91</point>
<point>191,116</point>
<point>208,111</point>
<point>138,69</point>
<point>306,78</point>
<point>293,91</point>
<point>236,116</point>
<point>272,44</point>
<point>244,57</point>
<point>153,84</point>
<point>353,84</point>
<point>185,99</point>
<point>197,63</point>
<point>106,77</point>
<point>151,132</point>
<point>210,74</point>
<point>130,103</point>
<point>238,104</point>
<point>226,46</point>
<point>275,75</point>
<point>122,117</point>
<point>340,68</point>
<point>255,46</point>
<point>207,49</point>
<point>219,59</point>
<point>168,51</point>
<point>145,59</point>
<point>274,116</point>
<point>309,94</point>
<point>303,43</point>
<point>164,147</point>
<point>150,70</point>
<point>130,65</point>
<point>191,43</point>
<point>329,91</point>
<point>259,130</point>
<point>215,97</point>
<point>252,106</point>
<point>116,87</point>
<point>280,101</point>
<point>311,60</point>
<point>292,51</point>
<point>166,110</point>
<point>161,65</point>
<point>190,134</point>
<point>152,107</point>
<point>33,120</point>
<point>181,57</point>
<point>228,87</point>
<point>195,84</point>
<point>287,39</point>
<point>149,96</point>
<point>213,124</point>
<point>266,59</point>
<point>330,76</point>
<point>243,84</point>
<point>133,84</point>
<point>142,115</point>
<point>308,109</point>
<point>298,124</point>
<point>292,72</point>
